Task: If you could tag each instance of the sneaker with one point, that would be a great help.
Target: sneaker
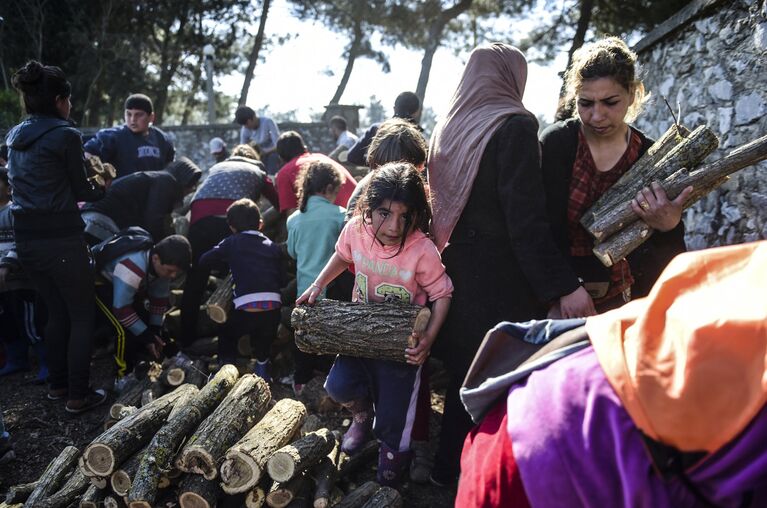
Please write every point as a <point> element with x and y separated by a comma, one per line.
<point>420,466</point>
<point>262,370</point>
<point>93,399</point>
<point>57,393</point>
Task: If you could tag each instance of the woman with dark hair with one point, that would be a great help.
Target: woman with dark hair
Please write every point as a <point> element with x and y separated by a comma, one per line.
<point>490,220</point>
<point>47,170</point>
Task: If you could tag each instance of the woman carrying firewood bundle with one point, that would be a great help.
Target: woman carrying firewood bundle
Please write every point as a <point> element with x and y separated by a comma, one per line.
<point>583,156</point>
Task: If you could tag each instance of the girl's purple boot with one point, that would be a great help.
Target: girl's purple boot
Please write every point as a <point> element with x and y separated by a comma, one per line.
<point>362,425</point>
<point>392,465</point>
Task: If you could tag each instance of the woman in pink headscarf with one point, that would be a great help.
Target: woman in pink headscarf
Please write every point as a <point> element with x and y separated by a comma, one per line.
<point>490,219</point>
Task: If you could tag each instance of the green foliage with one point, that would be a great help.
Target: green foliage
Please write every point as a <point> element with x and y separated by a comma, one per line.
<point>375,111</point>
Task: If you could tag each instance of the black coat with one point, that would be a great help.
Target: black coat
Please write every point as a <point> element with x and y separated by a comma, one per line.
<point>46,169</point>
<point>559,144</point>
<point>501,255</point>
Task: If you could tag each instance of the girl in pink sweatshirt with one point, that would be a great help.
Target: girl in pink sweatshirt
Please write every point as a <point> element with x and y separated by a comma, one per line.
<point>393,259</point>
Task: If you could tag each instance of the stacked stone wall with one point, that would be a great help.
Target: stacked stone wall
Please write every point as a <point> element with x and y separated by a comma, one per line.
<point>715,67</point>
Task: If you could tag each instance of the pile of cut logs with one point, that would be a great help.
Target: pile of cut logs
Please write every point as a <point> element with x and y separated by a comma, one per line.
<point>223,442</point>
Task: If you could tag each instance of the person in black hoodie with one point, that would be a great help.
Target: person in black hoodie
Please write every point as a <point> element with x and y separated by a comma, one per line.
<point>48,173</point>
<point>145,199</point>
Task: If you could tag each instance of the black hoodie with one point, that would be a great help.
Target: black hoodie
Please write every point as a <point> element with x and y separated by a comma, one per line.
<point>46,169</point>
<point>147,198</point>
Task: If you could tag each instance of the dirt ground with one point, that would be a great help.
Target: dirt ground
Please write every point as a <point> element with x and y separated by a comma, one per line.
<point>40,429</point>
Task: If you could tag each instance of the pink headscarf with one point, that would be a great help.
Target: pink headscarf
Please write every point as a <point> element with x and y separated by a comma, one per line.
<point>490,91</point>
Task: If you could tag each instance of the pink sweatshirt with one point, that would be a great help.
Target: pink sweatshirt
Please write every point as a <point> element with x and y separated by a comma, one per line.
<point>415,275</point>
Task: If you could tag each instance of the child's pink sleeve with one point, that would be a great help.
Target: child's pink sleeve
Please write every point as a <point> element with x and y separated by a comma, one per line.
<point>344,242</point>
<point>431,275</point>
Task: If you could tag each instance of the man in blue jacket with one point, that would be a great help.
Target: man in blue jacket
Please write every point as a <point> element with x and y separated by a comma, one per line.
<point>137,145</point>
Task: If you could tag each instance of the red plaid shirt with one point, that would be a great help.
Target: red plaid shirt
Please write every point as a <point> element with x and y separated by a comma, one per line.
<point>586,186</point>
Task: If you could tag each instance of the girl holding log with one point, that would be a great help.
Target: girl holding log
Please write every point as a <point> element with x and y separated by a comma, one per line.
<point>393,260</point>
<point>582,157</point>
<point>490,219</point>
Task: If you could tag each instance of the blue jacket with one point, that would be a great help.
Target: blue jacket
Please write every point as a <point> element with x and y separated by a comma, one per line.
<point>129,152</point>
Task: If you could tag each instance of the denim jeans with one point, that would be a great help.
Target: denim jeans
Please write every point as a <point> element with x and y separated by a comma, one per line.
<point>64,276</point>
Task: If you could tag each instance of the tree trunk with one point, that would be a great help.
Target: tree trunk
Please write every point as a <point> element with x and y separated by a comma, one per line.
<point>354,48</point>
<point>436,31</point>
<point>299,455</point>
<point>584,20</point>
<point>606,202</point>
<point>687,154</point>
<point>326,474</point>
<point>219,305</point>
<point>93,497</point>
<point>386,497</point>
<point>159,456</point>
<point>54,475</point>
<point>196,491</point>
<point>282,494</point>
<point>379,331</point>
<point>704,180</point>
<point>20,493</point>
<point>72,489</point>
<point>359,496</point>
<point>118,443</point>
<point>238,412</point>
<point>245,461</point>
<point>253,60</point>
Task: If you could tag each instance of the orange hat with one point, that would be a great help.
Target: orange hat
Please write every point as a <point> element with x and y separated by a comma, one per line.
<point>689,361</point>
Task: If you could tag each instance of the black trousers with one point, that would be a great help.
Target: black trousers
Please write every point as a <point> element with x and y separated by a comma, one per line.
<point>204,234</point>
<point>61,270</point>
<point>262,328</point>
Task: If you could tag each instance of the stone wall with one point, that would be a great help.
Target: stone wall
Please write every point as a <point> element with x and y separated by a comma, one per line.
<point>712,60</point>
<point>192,140</point>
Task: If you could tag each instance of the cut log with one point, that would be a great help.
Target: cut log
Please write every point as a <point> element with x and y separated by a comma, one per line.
<point>19,493</point>
<point>55,474</point>
<point>93,497</point>
<point>158,459</point>
<point>244,462</point>
<point>197,492</point>
<point>282,494</point>
<point>672,137</point>
<point>66,495</point>
<point>113,501</point>
<point>129,435</point>
<point>350,465</point>
<point>219,305</point>
<point>123,476</point>
<point>256,497</point>
<point>245,405</point>
<point>325,474</point>
<point>100,482</point>
<point>687,154</point>
<point>156,390</point>
<point>377,330</point>
<point>704,179</point>
<point>299,455</point>
<point>384,498</point>
<point>174,376</point>
<point>359,496</point>
<point>130,397</point>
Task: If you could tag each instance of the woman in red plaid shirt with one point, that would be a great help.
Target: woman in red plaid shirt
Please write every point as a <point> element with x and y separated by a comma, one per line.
<point>583,156</point>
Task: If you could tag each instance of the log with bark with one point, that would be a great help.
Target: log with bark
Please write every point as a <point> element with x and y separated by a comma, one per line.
<point>703,180</point>
<point>376,330</point>
<point>158,459</point>
<point>219,305</point>
<point>386,497</point>
<point>196,491</point>
<point>129,435</point>
<point>688,153</point>
<point>359,496</point>
<point>293,458</point>
<point>256,497</point>
<point>130,397</point>
<point>156,389</point>
<point>19,493</point>
<point>350,465</point>
<point>122,478</point>
<point>244,462</point>
<point>242,408</point>
<point>672,137</point>
<point>100,482</point>
<point>93,497</point>
<point>325,474</point>
<point>54,476</point>
<point>282,494</point>
<point>113,501</point>
<point>620,214</point>
<point>66,495</point>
